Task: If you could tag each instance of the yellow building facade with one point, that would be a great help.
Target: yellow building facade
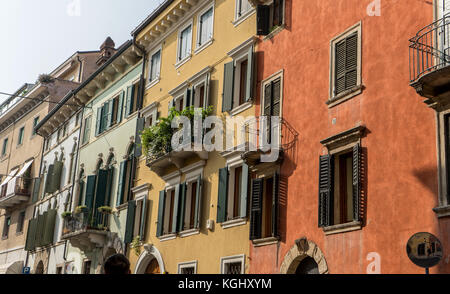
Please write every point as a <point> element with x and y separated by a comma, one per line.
<point>199,53</point>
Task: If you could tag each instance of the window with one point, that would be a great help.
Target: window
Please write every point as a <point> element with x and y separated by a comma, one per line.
<point>345,70</point>
<point>272,100</point>
<point>191,201</point>
<point>155,67</point>
<point>77,119</point>
<point>233,192</point>
<point>86,267</point>
<point>184,44</point>
<point>20,137</point>
<point>140,218</point>
<point>205,27</point>
<point>233,265</point>
<point>86,130</point>
<point>6,226</point>
<point>169,205</point>
<point>126,178</point>
<point>264,207</point>
<point>35,123</point>
<point>243,7</point>
<point>132,99</point>
<point>5,146</point>
<point>270,17</point>
<point>187,268</point>
<point>20,222</point>
<point>443,207</point>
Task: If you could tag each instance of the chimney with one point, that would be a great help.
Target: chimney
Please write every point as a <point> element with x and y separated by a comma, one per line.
<point>106,51</point>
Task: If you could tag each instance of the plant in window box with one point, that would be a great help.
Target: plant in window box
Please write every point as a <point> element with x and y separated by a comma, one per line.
<point>66,214</point>
<point>81,209</point>
<point>105,210</point>
<point>136,245</point>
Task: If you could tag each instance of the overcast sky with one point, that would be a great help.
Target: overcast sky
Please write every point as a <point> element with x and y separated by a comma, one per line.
<point>38,35</point>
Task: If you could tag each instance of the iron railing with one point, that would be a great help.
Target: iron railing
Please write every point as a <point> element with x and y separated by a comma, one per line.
<point>429,49</point>
<point>83,221</point>
<point>21,187</point>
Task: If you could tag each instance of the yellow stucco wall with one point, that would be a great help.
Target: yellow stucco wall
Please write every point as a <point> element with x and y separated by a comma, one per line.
<point>208,247</point>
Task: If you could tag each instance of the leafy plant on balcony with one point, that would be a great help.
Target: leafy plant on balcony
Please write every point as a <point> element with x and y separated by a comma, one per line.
<point>156,140</point>
<point>81,208</point>
<point>105,209</point>
<point>66,214</point>
<point>136,245</point>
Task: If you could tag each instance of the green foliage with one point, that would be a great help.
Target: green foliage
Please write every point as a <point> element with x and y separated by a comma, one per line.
<point>80,209</point>
<point>66,214</point>
<point>156,140</point>
<point>136,245</point>
<point>105,209</point>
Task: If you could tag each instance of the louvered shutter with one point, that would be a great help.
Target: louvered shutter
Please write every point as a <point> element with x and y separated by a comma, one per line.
<point>143,228</point>
<point>192,95</point>
<point>120,107</point>
<point>276,98</point>
<point>228,87</point>
<point>198,203</point>
<point>80,192</point>
<point>244,191</point>
<point>140,124</point>
<point>250,74</point>
<point>99,121</point>
<point>100,194</point>
<point>256,209</point>
<point>131,214</point>
<point>31,235</point>
<point>104,124</point>
<point>132,163</point>
<point>109,186</point>
<point>275,205</point>
<point>49,227</point>
<point>55,181</point>
<point>90,190</point>
<point>357,182</point>
<point>36,189</point>
<point>110,108</point>
<point>262,19</point>
<point>222,195</point>
<point>40,230</point>
<point>346,63</point>
<point>182,205</point>
<point>187,99</point>
<point>48,179</point>
<point>129,102</point>
<point>161,206</point>
<point>326,202</point>
<point>121,184</point>
<point>176,208</point>
<point>268,100</point>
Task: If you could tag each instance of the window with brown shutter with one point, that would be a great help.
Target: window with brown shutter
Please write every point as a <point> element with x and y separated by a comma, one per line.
<point>346,62</point>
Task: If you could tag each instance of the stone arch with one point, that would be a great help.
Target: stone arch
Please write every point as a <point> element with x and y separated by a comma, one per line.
<point>302,249</point>
<point>130,148</point>
<point>150,253</point>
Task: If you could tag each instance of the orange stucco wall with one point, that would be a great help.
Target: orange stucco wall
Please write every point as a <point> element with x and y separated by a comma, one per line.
<point>400,145</point>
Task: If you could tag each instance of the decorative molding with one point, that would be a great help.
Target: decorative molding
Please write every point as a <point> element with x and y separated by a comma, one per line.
<point>302,249</point>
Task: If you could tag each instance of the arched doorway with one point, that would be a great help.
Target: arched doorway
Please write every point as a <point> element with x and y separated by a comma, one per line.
<point>308,266</point>
<point>153,268</point>
<point>305,257</point>
<point>150,261</point>
<point>40,268</point>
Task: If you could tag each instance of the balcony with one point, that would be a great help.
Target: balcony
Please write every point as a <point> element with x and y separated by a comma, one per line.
<point>17,191</point>
<point>429,56</point>
<point>86,232</point>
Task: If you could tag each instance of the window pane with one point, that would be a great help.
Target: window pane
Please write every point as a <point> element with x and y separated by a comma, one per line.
<point>206,26</point>
<point>155,66</point>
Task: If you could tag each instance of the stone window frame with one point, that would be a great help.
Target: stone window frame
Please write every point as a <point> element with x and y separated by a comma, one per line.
<point>232,259</point>
<point>188,264</point>
<point>157,79</point>
<point>443,208</point>
<point>334,100</point>
<point>201,47</point>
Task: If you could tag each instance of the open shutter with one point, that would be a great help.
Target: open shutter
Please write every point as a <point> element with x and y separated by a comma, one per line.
<point>121,184</point>
<point>55,182</point>
<point>120,107</point>
<point>99,121</point>
<point>187,99</point>
<point>31,235</point>
<point>228,87</point>
<point>90,190</point>
<point>198,203</point>
<point>176,208</point>
<point>192,97</point>
<point>222,195</point>
<point>326,203</point>
<point>36,189</point>
<point>138,144</point>
<point>244,191</point>
<point>100,194</point>
<point>48,179</point>
<point>262,19</point>
<point>256,209</point>
<point>80,192</point>
<point>142,229</point>
<point>131,213</point>
<point>160,224</point>
<point>140,94</point>
<point>110,108</point>
<point>182,205</point>
<point>250,74</point>
<point>278,12</point>
<point>357,182</point>
<point>109,186</point>
<point>275,204</point>
<point>49,227</point>
<point>40,230</point>
<point>129,102</point>
<point>207,88</point>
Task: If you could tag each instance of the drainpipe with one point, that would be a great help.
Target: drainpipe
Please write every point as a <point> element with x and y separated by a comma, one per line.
<point>81,67</point>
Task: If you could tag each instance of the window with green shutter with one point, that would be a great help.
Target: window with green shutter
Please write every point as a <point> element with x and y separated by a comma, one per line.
<point>130,222</point>
<point>30,244</point>
<point>161,209</point>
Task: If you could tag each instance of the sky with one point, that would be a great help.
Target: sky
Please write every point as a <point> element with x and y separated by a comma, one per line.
<point>36,36</point>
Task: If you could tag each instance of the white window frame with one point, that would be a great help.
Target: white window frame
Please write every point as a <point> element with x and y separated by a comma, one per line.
<point>200,47</point>
<point>150,66</point>
<point>238,19</point>
<point>189,264</point>
<point>179,62</point>
<point>232,259</point>
<point>172,183</point>
<point>192,173</point>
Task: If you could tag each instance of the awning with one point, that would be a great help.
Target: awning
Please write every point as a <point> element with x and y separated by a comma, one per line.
<point>12,183</point>
<point>9,177</point>
<point>12,268</point>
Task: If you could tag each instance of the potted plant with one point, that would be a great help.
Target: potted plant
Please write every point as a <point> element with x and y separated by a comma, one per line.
<point>105,209</point>
<point>81,208</point>
<point>66,214</point>
<point>136,245</point>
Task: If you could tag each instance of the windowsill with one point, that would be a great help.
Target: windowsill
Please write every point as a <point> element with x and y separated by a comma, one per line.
<point>203,46</point>
<point>265,241</point>
<point>188,233</point>
<point>442,211</point>
<point>183,61</point>
<point>241,108</point>
<point>234,223</point>
<point>19,233</point>
<point>153,83</point>
<point>122,206</point>
<point>344,96</point>
<point>272,34</point>
<point>343,228</point>
<point>167,237</point>
<point>243,17</point>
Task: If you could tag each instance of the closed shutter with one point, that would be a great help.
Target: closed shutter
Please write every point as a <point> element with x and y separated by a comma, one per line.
<point>276,98</point>
<point>80,192</point>
<point>121,184</point>
<point>140,95</point>
<point>90,190</point>
<point>192,97</point>
<point>143,228</point>
<point>357,182</point>
<point>55,181</point>
<point>110,108</point>
<point>98,122</point>
<point>160,224</point>
<point>104,124</point>
<point>228,87</point>
<point>129,103</point>
<point>268,100</point>
<point>48,179</point>
<point>138,144</point>
<point>40,230</point>
<point>31,235</point>
<point>198,203</point>
<point>120,107</point>
<point>182,205</point>
<point>36,189</point>
<point>131,213</point>
<point>49,228</point>
<point>207,90</point>
<point>176,208</point>
<point>346,63</point>
<point>262,19</point>
<point>222,195</point>
<point>244,191</point>
<point>250,74</point>
<point>187,99</point>
<point>100,194</point>
<point>109,186</point>
<point>256,209</point>
<point>132,163</point>
<point>326,202</point>
<point>275,205</point>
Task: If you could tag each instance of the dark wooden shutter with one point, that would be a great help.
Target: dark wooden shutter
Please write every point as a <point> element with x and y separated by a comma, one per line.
<point>31,235</point>
<point>90,190</point>
<point>228,87</point>
<point>187,99</point>
<point>140,95</point>
<point>121,184</point>
<point>222,195</point>
<point>182,207</point>
<point>268,100</point>
<point>278,12</point>
<point>109,186</point>
<point>129,103</point>
<point>143,228</point>
<point>256,209</point>
<point>346,63</point>
<point>100,193</point>
<point>161,206</point>
<point>276,98</point>
<point>131,214</point>
<point>275,205</point>
<point>120,107</point>
<point>98,123</point>
<point>326,203</point>
<point>198,203</point>
<point>263,20</point>
<point>357,182</point>
<point>138,142</point>
<point>250,74</point>
<point>36,189</point>
<point>244,191</point>
<point>48,179</point>
<point>176,210</point>
<point>49,227</point>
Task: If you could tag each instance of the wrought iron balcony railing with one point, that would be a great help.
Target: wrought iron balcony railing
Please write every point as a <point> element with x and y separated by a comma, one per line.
<point>84,221</point>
